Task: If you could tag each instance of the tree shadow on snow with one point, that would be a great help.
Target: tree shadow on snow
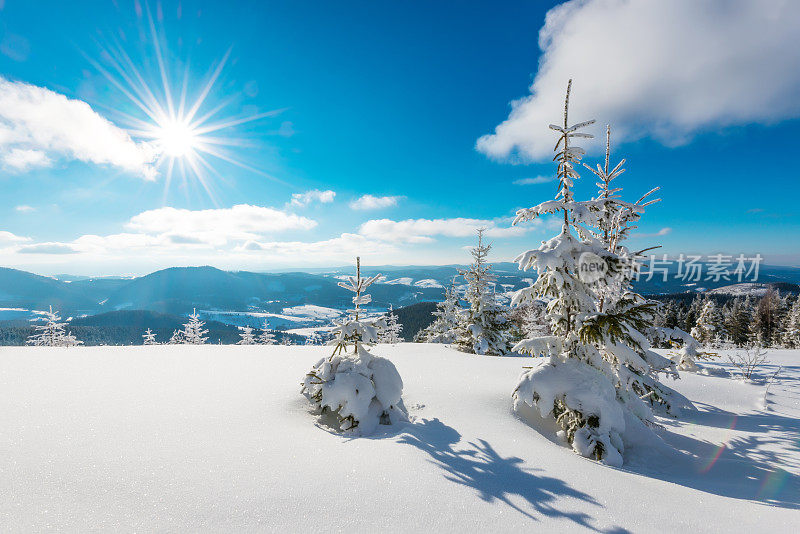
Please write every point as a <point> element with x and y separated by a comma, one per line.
<point>743,467</point>
<point>753,467</point>
<point>494,477</point>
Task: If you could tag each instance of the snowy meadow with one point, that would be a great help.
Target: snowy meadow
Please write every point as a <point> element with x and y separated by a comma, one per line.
<point>218,438</point>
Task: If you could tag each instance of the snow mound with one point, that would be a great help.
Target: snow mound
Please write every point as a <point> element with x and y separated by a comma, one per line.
<point>551,386</point>
<point>360,390</point>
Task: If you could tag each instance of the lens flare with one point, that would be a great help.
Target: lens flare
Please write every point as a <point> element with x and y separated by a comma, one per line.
<point>705,468</point>
<point>774,483</point>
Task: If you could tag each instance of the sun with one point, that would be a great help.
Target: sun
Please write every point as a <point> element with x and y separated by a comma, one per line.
<point>184,126</point>
<point>176,138</point>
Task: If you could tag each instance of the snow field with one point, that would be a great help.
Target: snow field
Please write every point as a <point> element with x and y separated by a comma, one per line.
<point>200,438</point>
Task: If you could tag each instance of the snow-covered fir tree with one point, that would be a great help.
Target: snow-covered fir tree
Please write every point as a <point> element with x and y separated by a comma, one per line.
<point>791,333</point>
<point>391,332</point>
<point>615,220</point>
<point>149,338</point>
<point>598,357</point>
<point>70,340</point>
<point>737,322</point>
<point>709,329</point>
<point>314,339</point>
<point>176,338</point>
<point>445,325</point>
<point>247,336</point>
<point>53,333</point>
<point>687,357</point>
<point>671,315</point>
<point>745,320</point>
<point>686,351</point>
<point>782,309</point>
<point>354,388</point>
<point>193,332</point>
<point>533,320</point>
<point>483,326</point>
<point>266,337</point>
<point>690,320</point>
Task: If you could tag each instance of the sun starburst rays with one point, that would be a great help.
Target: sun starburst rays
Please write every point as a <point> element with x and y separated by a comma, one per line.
<point>182,123</point>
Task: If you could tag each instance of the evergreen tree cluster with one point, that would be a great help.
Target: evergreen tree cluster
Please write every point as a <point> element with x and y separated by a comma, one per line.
<point>724,321</point>
<point>53,333</point>
<point>248,336</point>
<point>481,325</point>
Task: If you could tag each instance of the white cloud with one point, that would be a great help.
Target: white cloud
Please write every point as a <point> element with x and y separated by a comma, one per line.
<point>536,180</point>
<point>47,248</point>
<point>244,229</point>
<point>343,248</point>
<point>216,226</point>
<point>243,237</point>
<point>23,208</point>
<point>423,230</point>
<point>171,231</point>
<point>144,253</point>
<point>301,200</point>
<point>8,237</point>
<point>115,243</point>
<point>22,159</point>
<point>662,232</point>
<point>38,125</point>
<point>370,202</point>
<point>666,70</point>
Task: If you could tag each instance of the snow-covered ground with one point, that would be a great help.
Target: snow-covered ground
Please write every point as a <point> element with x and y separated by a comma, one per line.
<point>311,311</point>
<point>427,282</point>
<point>298,316</point>
<point>187,438</point>
<point>404,281</point>
<point>741,290</point>
<point>306,332</point>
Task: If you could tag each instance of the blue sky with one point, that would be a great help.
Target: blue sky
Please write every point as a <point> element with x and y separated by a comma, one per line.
<point>388,100</point>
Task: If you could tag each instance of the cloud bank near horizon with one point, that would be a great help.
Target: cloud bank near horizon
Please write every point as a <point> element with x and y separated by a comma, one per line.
<point>255,234</point>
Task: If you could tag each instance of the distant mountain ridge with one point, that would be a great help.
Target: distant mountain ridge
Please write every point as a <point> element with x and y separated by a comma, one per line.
<point>178,290</point>
<point>20,289</point>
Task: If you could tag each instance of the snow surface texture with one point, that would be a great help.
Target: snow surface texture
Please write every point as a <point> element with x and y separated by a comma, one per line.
<point>209,438</point>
